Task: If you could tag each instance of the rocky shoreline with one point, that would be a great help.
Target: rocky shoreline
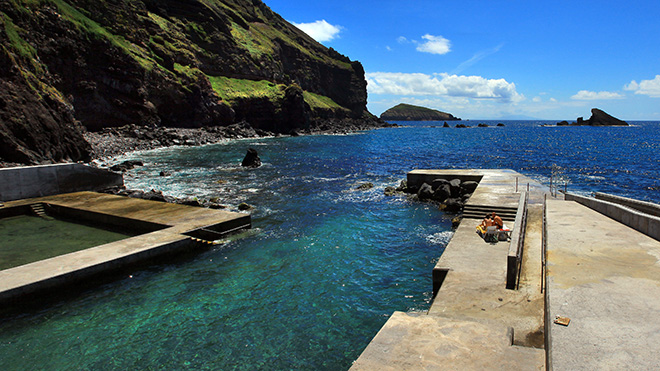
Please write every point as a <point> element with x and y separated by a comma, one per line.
<point>112,142</point>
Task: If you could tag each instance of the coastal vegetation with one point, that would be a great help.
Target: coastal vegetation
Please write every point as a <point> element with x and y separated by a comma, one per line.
<point>409,112</point>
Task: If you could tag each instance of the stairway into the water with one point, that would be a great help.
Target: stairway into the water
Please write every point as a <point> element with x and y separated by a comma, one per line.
<point>40,211</point>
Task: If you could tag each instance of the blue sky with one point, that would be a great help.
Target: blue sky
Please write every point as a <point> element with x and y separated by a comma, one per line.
<point>496,59</point>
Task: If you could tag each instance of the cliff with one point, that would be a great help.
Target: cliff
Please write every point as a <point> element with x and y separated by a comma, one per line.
<point>408,112</point>
<point>70,65</point>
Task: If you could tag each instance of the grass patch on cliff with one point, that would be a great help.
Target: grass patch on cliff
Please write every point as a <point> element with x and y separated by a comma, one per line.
<point>84,24</point>
<point>22,47</point>
<point>235,89</point>
<point>317,101</point>
<point>229,89</point>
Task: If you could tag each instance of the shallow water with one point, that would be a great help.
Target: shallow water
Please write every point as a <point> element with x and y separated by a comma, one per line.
<point>325,265</point>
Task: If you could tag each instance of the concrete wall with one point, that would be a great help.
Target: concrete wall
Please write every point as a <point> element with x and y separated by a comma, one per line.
<point>645,223</point>
<point>36,181</point>
<point>645,207</point>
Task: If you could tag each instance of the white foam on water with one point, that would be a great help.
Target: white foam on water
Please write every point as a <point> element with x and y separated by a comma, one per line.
<point>440,238</point>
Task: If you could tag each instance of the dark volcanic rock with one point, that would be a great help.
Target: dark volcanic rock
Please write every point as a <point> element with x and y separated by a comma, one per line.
<point>598,118</point>
<point>500,124</point>
<point>445,125</point>
<point>251,159</point>
<point>425,192</point>
<point>455,187</point>
<point>442,193</point>
<point>468,186</point>
<point>126,165</point>
<point>482,125</point>
<point>365,186</point>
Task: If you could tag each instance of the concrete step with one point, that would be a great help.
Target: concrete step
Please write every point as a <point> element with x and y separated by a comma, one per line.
<point>40,211</point>
<point>479,211</point>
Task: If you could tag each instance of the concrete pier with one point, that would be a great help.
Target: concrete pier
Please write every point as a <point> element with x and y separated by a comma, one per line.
<point>171,228</point>
<point>599,273</point>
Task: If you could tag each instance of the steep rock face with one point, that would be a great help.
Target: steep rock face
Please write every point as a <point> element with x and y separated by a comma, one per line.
<point>409,112</point>
<point>600,118</point>
<point>172,63</point>
<point>35,126</point>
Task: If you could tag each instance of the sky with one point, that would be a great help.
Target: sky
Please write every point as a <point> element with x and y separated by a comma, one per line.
<point>496,59</point>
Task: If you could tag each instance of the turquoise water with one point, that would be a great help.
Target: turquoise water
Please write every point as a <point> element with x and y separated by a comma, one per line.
<point>325,265</point>
<point>26,239</point>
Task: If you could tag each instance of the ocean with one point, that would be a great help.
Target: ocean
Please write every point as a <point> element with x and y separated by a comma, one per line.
<point>325,264</point>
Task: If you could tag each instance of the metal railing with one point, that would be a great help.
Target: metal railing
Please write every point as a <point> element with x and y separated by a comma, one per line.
<point>514,258</point>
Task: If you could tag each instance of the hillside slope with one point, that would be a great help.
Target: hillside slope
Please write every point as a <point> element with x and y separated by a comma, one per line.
<point>67,64</point>
<point>409,112</point>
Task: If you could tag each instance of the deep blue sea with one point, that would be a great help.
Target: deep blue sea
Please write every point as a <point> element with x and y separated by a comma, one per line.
<point>325,265</point>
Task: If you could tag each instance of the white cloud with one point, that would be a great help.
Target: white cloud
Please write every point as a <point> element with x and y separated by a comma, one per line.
<point>645,87</point>
<point>592,95</point>
<point>476,58</point>
<point>434,45</point>
<point>402,40</point>
<point>442,84</point>
<point>536,99</point>
<point>320,31</point>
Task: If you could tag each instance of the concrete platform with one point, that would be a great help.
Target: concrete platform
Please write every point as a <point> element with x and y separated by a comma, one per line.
<point>474,322</point>
<point>605,277</point>
<point>180,228</point>
<point>421,342</point>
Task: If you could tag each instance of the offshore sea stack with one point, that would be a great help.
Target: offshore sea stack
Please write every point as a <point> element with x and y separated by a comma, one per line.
<point>409,112</point>
<point>598,118</point>
<point>75,65</point>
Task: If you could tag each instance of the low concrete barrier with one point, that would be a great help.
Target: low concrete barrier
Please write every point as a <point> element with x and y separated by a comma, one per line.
<point>643,206</point>
<point>514,257</point>
<point>642,222</point>
<point>18,183</point>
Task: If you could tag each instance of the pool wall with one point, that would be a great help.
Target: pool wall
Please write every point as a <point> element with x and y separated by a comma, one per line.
<point>37,181</point>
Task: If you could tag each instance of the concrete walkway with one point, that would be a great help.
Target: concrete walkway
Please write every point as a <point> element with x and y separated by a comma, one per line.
<point>605,277</point>
<point>474,322</point>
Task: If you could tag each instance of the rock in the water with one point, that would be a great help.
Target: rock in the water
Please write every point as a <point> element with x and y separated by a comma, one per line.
<point>456,221</point>
<point>500,124</point>
<point>403,186</point>
<point>190,202</point>
<point>453,205</point>
<point>425,192</point>
<point>390,191</point>
<point>251,159</point>
<point>445,125</point>
<point>126,165</point>
<point>165,173</point>
<point>482,125</point>
<point>365,186</point>
<point>244,206</point>
<point>598,118</point>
